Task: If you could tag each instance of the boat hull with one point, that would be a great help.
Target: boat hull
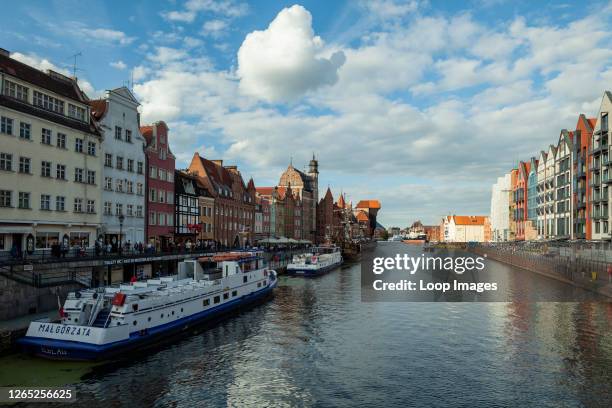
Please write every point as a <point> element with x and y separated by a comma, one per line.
<point>312,272</point>
<point>81,351</point>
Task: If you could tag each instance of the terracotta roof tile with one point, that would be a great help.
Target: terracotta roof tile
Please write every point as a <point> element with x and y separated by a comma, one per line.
<point>373,204</point>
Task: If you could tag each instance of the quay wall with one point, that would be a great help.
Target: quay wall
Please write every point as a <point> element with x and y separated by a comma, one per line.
<point>587,273</point>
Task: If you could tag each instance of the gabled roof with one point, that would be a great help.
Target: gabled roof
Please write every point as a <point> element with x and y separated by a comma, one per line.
<point>52,81</point>
<point>362,216</point>
<point>341,202</point>
<point>469,219</point>
<point>147,133</point>
<point>373,204</point>
<point>125,93</point>
<point>98,108</point>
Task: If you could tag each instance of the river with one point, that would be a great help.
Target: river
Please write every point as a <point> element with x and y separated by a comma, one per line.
<point>317,344</point>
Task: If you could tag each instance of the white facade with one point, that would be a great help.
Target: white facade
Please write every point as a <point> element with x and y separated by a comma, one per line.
<point>546,193</point>
<point>563,187</point>
<point>50,167</point>
<point>500,209</point>
<point>600,197</point>
<point>123,182</point>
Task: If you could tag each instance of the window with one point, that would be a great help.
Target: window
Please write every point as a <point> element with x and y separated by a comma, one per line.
<point>206,302</point>
<point>139,189</point>
<point>78,205</point>
<point>78,145</point>
<point>118,208</point>
<point>129,186</point>
<point>117,133</point>
<point>91,177</point>
<point>24,200</point>
<point>152,172</point>
<point>78,175</point>
<point>6,161</point>
<point>6,125</point>
<point>25,131</point>
<point>108,160</point>
<point>130,165</point>
<point>24,165</point>
<point>152,218</point>
<point>162,174</point>
<point>45,202</point>
<point>46,239</point>
<point>130,210</point>
<point>48,102</point>
<point>108,183</point>
<point>245,279</point>
<point>225,296</point>
<point>46,136</point>
<point>161,196</point>
<point>5,198</point>
<point>217,299</point>
<point>139,211</point>
<point>128,135</point>
<point>76,112</point>
<point>108,208</point>
<point>15,90</point>
<point>91,206</point>
<point>60,171</point>
<point>45,169</point>
<point>139,167</point>
<point>161,219</point>
<point>91,148</point>
<point>61,140</point>
<point>234,293</point>
<point>119,186</point>
<point>60,203</point>
<point>119,162</point>
<point>152,192</point>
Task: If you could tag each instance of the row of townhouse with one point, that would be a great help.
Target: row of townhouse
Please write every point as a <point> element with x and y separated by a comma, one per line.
<point>75,172</point>
<point>563,192</point>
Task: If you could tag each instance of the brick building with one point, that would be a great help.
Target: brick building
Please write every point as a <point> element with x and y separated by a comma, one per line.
<point>234,217</point>
<point>159,185</point>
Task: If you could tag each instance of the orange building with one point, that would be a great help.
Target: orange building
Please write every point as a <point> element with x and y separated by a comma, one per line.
<point>520,199</point>
<point>582,190</point>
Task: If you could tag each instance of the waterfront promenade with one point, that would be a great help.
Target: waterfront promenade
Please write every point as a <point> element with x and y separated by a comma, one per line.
<point>586,265</point>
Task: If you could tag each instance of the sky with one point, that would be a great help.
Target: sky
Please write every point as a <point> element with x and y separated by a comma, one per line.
<point>420,104</point>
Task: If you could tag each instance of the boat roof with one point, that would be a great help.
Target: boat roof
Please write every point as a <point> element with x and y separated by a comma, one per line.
<point>230,256</point>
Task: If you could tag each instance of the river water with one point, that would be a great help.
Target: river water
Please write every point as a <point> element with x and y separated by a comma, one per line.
<point>317,344</point>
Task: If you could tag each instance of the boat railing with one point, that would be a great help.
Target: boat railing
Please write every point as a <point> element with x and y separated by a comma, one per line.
<point>94,311</point>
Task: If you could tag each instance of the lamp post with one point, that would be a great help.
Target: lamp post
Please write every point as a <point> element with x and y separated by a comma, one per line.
<point>121,219</point>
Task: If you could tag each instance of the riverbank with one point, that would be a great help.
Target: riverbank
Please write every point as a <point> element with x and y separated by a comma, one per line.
<point>577,272</point>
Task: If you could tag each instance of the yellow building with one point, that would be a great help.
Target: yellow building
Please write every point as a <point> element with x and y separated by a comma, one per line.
<point>50,166</point>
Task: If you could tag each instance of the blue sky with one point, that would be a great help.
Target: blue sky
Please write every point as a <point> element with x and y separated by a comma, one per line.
<point>421,104</point>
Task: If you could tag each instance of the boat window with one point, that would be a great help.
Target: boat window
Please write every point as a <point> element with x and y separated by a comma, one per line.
<point>225,296</point>
<point>245,279</point>
<point>173,313</point>
<point>206,302</point>
<point>134,322</point>
<point>181,310</point>
<point>234,293</point>
<point>162,315</point>
<point>149,319</point>
<point>217,299</point>
<point>259,284</point>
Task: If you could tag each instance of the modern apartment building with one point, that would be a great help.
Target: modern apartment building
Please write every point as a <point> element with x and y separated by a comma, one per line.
<point>500,209</point>
<point>123,176</point>
<point>159,185</point>
<point>520,199</point>
<point>532,196</point>
<point>546,193</point>
<point>563,186</point>
<point>600,161</point>
<point>581,180</point>
<point>50,163</point>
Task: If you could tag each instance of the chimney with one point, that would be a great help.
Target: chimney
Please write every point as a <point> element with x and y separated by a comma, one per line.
<point>218,162</point>
<point>5,53</point>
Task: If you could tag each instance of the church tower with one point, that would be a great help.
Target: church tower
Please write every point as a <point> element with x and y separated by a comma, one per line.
<point>313,172</point>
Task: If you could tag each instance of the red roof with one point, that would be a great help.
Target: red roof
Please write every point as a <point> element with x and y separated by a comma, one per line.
<point>98,108</point>
<point>469,219</point>
<point>147,133</point>
<point>592,122</point>
<point>362,216</point>
<point>373,204</point>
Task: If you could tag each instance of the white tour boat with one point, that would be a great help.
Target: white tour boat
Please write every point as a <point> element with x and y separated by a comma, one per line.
<point>319,261</point>
<point>100,323</point>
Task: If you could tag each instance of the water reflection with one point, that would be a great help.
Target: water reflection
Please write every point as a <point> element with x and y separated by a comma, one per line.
<point>317,344</point>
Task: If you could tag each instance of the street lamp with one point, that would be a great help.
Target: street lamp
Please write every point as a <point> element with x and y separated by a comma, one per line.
<point>121,219</point>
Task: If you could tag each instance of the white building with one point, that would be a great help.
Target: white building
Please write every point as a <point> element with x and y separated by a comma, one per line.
<point>563,187</point>
<point>123,178</point>
<point>50,165</point>
<point>500,209</point>
<point>465,228</point>
<point>600,197</point>
<point>546,193</point>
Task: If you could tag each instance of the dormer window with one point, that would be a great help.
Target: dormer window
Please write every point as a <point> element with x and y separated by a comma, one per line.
<point>15,90</point>
<point>48,102</point>
<point>76,112</point>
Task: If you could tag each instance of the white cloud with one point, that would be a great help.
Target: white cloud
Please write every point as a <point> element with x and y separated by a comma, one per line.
<point>106,35</point>
<point>390,8</point>
<point>283,61</point>
<point>226,8</point>
<point>118,64</point>
<point>214,28</point>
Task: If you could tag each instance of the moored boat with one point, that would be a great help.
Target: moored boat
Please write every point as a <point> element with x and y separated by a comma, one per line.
<point>104,322</point>
<point>321,260</point>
